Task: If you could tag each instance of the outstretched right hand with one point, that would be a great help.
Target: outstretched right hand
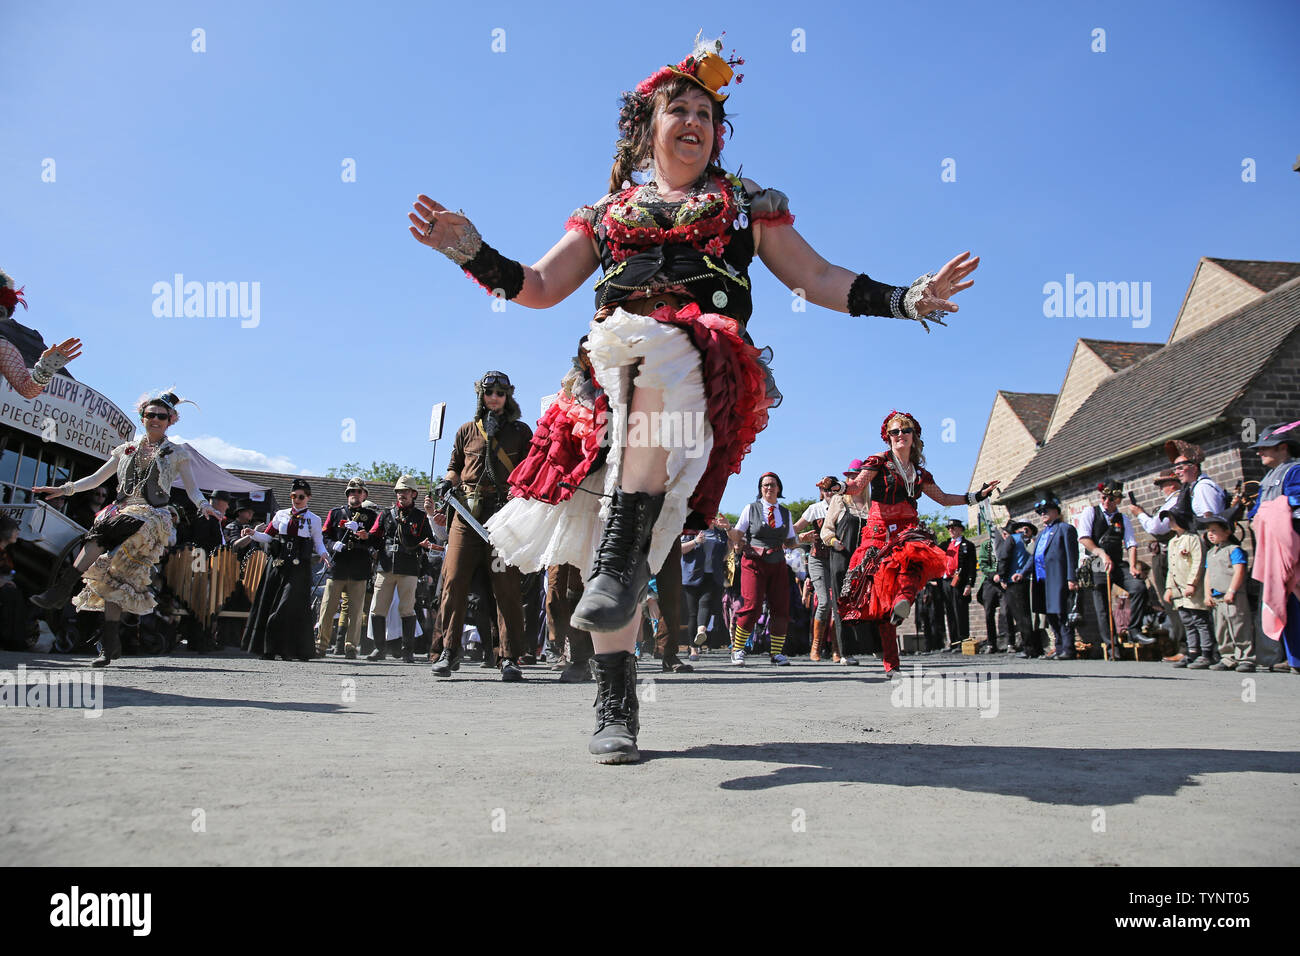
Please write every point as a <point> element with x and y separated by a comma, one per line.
<point>49,492</point>
<point>447,226</point>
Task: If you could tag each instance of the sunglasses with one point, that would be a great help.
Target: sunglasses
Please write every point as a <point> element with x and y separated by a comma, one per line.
<point>297,495</point>
<point>900,431</point>
<point>161,416</point>
<point>1183,464</point>
<point>500,393</point>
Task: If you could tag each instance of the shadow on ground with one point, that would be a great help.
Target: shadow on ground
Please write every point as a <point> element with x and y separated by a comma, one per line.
<point>1083,776</point>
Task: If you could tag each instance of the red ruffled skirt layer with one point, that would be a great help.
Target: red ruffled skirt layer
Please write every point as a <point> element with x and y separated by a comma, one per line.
<point>891,562</point>
<point>566,444</point>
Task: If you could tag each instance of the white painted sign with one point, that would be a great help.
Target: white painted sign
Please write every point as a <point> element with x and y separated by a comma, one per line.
<point>68,413</point>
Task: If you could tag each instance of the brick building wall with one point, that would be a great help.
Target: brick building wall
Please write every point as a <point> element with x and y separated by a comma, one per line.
<point>1213,293</point>
<point>1005,450</point>
<point>1081,380</point>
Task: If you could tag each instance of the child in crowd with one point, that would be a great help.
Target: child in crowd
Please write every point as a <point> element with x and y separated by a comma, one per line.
<point>1225,590</point>
<point>1184,589</point>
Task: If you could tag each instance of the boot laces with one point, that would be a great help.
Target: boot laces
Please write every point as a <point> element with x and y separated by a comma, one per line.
<point>622,532</point>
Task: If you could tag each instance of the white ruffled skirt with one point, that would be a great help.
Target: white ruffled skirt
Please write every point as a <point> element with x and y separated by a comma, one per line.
<point>532,535</point>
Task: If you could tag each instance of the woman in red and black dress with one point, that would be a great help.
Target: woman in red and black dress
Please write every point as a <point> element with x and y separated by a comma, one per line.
<point>669,344</point>
<point>896,555</point>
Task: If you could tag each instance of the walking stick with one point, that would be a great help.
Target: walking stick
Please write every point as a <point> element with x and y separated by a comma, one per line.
<point>1108,647</point>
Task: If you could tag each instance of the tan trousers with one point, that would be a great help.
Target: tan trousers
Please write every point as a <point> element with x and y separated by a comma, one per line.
<point>335,590</point>
<point>384,587</point>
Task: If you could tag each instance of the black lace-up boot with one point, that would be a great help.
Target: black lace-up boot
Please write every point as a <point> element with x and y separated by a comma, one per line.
<point>617,706</point>
<point>618,584</point>
<point>110,646</point>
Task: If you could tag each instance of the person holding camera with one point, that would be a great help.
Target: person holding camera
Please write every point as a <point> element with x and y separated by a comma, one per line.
<point>347,533</point>
<point>401,532</point>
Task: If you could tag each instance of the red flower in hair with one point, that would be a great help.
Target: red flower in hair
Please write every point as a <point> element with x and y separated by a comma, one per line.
<point>895,413</point>
<point>1101,486</point>
<point>12,297</point>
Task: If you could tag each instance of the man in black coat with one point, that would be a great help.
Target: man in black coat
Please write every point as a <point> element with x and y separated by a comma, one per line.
<point>1056,563</point>
<point>958,584</point>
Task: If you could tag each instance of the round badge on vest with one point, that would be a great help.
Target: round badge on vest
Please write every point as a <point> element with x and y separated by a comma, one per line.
<point>719,298</point>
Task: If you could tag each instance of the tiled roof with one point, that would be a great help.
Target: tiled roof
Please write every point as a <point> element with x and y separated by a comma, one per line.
<point>1191,380</point>
<point>1265,276</point>
<point>1120,355</point>
<point>326,493</point>
<point>1034,409</point>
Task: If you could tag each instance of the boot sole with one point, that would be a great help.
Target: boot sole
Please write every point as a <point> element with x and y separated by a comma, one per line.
<point>619,756</point>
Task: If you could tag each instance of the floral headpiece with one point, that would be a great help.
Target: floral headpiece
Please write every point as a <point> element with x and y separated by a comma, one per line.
<point>895,413</point>
<point>9,296</point>
<point>705,67</point>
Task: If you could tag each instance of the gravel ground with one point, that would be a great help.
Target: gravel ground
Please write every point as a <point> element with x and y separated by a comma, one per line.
<point>230,760</point>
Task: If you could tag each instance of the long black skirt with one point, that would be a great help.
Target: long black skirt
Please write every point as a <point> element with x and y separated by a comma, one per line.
<point>281,622</point>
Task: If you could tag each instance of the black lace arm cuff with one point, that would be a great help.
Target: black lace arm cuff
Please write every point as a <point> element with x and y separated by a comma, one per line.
<point>495,273</point>
<point>869,297</point>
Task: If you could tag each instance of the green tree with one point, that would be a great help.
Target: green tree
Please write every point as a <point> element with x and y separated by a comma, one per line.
<point>386,472</point>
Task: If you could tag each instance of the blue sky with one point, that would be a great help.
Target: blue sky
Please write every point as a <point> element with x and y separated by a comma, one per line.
<point>225,166</point>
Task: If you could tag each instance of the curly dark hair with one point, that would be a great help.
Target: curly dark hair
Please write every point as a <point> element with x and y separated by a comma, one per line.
<point>635,147</point>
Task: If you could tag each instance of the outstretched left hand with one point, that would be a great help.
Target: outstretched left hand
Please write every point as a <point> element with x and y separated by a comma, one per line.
<point>68,348</point>
<point>946,283</point>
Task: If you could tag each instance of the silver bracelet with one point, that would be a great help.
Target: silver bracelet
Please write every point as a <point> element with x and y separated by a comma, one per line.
<point>40,375</point>
<point>464,248</point>
<point>68,488</point>
<point>972,498</point>
<point>895,298</point>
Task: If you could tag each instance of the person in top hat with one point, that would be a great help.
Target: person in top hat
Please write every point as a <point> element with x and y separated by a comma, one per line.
<point>1056,562</point>
<point>208,531</point>
<point>958,584</point>
<point>1170,485</point>
<point>1275,520</point>
<point>347,535</point>
<point>280,623</point>
<point>486,450</point>
<point>1202,495</point>
<point>1107,534</point>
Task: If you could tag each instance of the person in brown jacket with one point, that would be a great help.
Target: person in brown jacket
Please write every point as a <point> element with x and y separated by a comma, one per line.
<point>486,449</point>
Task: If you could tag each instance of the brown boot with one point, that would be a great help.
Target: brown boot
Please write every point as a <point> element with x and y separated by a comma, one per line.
<point>818,633</point>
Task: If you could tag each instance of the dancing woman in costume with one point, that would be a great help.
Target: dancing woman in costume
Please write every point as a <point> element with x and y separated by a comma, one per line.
<point>14,337</point>
<point>896,554</point>
<point>126,540</point>
<point>669,336</point>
